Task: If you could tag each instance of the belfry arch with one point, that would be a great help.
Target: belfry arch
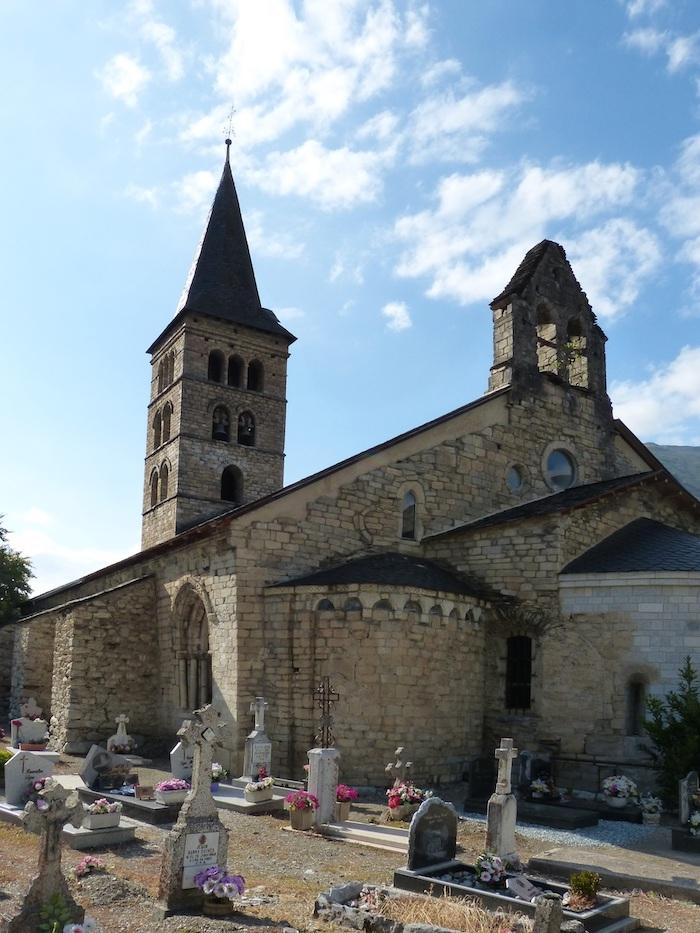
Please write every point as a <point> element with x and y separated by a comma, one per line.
<point>194,669</point>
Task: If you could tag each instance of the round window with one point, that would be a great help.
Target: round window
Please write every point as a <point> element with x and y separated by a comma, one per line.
<point>514,478</point>
<point>561,469</point>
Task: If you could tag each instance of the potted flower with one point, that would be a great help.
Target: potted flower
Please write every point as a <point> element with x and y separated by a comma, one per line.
<point>694,823</point>
<point>539,789</point>
<point>260,789</point>
<point>101,814</point>
<point>89,865</point>
<point>618,789</point>
<point>583,891</point>
<point>220,889</point>
<point>652,808</point>
<point>172,791</point>
<point>301,805</point>
<point>218,774</point>
<point>490,870</point>
<point>404,798</point>
<point>87,926</point>
<point>344,797</point>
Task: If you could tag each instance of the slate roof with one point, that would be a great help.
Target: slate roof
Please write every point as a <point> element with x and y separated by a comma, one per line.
<point>392,569</point>
<point>221,282</point>
<point>572,498</point>
<point>527,268</point>
<point>643,545</point>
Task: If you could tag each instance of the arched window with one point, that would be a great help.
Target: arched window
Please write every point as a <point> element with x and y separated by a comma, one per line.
<point>352,604</point>
<point>519,672</point>
<point>215,370</point>
<point>154,488</point>
<point>546,342</point>
<point>636,705</point>
<point>194,676</point>
<point>382,607</point>
<point>235,371</point>
<point>156,430</point>
<point>255,376</point>
<point>325,605</point>
<point>167,414</point>
<point>435,614</point>
<point>408,516</point>
<point>246,429</point>
<point>413,610</point>
<point>220,424</point>
<point>164,482</point>
<point>576,351</point>
<point>161,376</point>
<point>232,485</point>
<point>171,367</point>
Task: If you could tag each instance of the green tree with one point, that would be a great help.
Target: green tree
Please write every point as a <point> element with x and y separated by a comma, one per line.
<point>673,725</point>
<point>15,574</point>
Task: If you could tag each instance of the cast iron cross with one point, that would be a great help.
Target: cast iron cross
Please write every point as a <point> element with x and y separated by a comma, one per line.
<point>325,698</point>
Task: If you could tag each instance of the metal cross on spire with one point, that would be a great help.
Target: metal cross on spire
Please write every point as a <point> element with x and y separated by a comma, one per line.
<point>326,698</point>
<point>229,130</point>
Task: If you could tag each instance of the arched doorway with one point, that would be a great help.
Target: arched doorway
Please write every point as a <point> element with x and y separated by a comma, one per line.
<point>194,679</point>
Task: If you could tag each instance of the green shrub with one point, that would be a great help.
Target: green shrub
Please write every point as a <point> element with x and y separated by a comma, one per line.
<point>673,725</point>
<point>585,883</point>
<point>5,756</point>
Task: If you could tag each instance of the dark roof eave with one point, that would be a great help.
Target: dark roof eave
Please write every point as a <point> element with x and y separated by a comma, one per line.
<point>283,333</point>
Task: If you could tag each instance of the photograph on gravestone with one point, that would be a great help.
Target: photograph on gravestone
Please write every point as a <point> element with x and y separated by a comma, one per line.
<point>432,836</point>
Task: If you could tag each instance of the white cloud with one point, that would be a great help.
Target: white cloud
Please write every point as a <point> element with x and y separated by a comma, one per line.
<point>665,406</point>
<point>381,126</point>
<point>142,134</point>
<point>195,190</point>
<point>648,41</point>
<point>164,39</point>
<point>142,195</point>
<point>125,78</point>
<point>612,262</point>
<point>440,70</point>
<point>36,516</point>
<point>275,245</point>
<point>332,178</point>
<point>456,128</point>
<point>480,225</point>
<point>344,268</point>
<point>643,7</point>
<point>682,52</point>
<point>397,316</point>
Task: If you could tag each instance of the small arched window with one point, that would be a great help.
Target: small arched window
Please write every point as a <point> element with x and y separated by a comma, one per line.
<point>636,705</point>
<point>435,613</point>
<point>215,370</point>
<point>235,371</point>
<point>171,367</point>
<point>352,604</point>
<point>383,605</point>
<point>164,482</point>
<point>413,610</point>
<point>408,516</point>
<point>246,429</point>
<point>255,376</point>
<point>519,672</point>
<point>161,376</point>
<point>232,485</point>
<point>154,488</point>
<point>157,422</point>
<point>220,424</point>
<point>167,414</point>
<point>547,361</point>
<point>325,605</point>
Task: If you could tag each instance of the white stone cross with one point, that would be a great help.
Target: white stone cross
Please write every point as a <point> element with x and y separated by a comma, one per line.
<point>258,707</point>
<point>121,722</point>
<point>202,733</point>
<point>30,710</point>
<point>399,769</point>
<point>505,755</point>
<point>55,807</point>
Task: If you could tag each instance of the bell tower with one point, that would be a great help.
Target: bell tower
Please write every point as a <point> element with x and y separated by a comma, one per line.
<point>217,410</point>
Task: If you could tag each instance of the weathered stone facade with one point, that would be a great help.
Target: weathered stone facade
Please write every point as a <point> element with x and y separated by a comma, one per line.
<point>222,611</point>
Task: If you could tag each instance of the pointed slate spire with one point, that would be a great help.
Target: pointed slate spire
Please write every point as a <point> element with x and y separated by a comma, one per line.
<point>222,282</point>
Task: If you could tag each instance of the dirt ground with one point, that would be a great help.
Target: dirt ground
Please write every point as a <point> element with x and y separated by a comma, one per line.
<point>284,872</point>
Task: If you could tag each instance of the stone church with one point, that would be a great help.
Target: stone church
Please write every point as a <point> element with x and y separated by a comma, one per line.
<point>521,566</point>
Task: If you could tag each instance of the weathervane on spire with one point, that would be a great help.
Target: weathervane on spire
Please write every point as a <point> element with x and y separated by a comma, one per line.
<point>230,132</point>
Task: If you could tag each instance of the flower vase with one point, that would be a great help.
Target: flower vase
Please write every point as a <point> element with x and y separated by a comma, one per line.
<point>536,796</point>
<point>342,811</point>
<point>100,820</point>
<point>217,906</point>
<point>617,803</point>
<point>651,819</point>
<point>301,819</point>
<point>258,796</point>
<point>404,812</point>
<point>170,796</point>
<point>214,787</point>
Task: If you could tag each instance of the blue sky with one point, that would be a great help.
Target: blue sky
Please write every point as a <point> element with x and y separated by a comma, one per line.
<point>394,161</point>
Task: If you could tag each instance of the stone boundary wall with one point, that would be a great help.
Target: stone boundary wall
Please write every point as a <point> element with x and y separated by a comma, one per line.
<point>7,640</point>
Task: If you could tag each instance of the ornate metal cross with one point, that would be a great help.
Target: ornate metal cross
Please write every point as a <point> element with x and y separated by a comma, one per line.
<point>258,707</point>
<point>505,755</point>
<point>326,697</point>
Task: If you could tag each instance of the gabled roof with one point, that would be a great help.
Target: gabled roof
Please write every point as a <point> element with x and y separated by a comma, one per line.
<point>644,545</point>
<point>392,569</point>
<point>573,498</point>
<point>221,282</point>
<point>527,269</point>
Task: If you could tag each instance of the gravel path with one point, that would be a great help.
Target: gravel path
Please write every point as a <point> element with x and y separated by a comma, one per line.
<point>606,833</point>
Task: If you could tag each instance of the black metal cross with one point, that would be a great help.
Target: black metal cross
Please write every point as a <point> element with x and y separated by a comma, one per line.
<point>325,698</point>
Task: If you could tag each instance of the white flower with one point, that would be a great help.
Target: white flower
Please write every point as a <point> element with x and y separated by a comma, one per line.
<point>209,886</point>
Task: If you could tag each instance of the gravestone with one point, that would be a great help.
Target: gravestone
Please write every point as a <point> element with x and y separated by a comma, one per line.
<point>100,764</point>
<point>532,765</point>
<point>56,807</point>
<point>432,837</point>
<point>199,839</point>
<point>399,768</point>
<point>323,782</point>
<point>181,758</point>
<point>502,809</point>
<point>29,727</point>
<point>257,753</point>
<point>687,788</point>
<point>20,773</point>
<point>121,742</point>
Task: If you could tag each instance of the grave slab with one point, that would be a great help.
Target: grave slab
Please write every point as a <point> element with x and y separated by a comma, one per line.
<point>232,798</point>
<point>374,835</point>
<point>77,837</point>
<point>544,814</point>
<point>145,811</point>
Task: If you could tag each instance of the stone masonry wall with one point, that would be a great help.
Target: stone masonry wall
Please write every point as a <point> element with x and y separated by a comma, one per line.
<point>7,640</point>
<point>32,664</point>
<point>106,663</point>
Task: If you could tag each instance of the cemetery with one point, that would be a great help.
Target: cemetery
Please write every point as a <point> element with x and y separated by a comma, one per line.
<point>168,844</point>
